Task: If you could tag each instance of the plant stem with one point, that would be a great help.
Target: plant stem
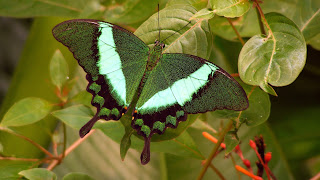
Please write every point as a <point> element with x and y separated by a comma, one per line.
<point>260,23</point>
<point>264,19</point>
<point>70,149</point>
<point>215,149</point>
<point>236,31</point>
<point>27,139</point>
<point>18,159</point>
<point>234,164</point>
<point>64,140</point>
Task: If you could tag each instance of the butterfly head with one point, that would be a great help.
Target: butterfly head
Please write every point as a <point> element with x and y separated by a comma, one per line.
<point>159,44</point>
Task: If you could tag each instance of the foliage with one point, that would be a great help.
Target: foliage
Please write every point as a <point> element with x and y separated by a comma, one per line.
<point>46,103</point>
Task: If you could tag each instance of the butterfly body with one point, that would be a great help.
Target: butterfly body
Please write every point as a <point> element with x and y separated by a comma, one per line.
<point>161,88</point>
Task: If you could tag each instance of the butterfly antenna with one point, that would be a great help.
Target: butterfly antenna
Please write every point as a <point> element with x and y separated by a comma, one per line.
<point>177,31</point>
<point>159,20</point>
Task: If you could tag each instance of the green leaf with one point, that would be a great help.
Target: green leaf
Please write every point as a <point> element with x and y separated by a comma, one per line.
<point>203,14</point>
<point>315,42</point>
<point>125,143</point>
<point>74,116</point>
<point>83,97</point>
<point>77,176</point>
<point>38,174</point>
<point>31,8</point>
<point>231,140</point>
<point>9,169</point>
<point>59,70</point>
<point>26,111</point>
<point>132,11</point>
<point>230,8</point>
<point>173,21</point>
<point>277,59</point>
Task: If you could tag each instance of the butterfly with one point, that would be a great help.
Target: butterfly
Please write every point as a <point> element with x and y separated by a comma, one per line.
<point>162,88</point>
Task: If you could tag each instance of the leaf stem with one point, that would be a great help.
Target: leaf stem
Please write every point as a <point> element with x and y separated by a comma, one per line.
<point>262,30</point>
<point>27,139</point>
<point>236,31</point>
<point>215,149</point>
<point>262,17</point>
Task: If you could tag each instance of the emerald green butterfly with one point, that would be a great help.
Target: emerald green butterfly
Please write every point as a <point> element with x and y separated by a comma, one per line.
<point>162,88</point>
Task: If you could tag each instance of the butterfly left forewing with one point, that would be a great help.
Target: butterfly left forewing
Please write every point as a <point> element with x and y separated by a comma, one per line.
<point>108,54</point>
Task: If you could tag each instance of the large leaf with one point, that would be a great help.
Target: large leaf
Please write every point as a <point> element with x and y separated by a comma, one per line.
<point>130,11</point>
<point>31,8</point>
<point>26,111</point>
<point>304,13</point>
<point>173,21</point>
<point>277,59</point>
<point>230,8</point>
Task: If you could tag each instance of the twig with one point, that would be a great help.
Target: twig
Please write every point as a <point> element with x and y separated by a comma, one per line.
<point>18,159</point>
<point>54,163</point>
<point>27,139</point>
<point>260,22</point>
<point>215,149</point>
<point>236,31</point>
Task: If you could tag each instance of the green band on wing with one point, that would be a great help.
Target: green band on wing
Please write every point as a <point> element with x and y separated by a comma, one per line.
<point>99,100</point>
<point>178,93</point>
<point>139,122</point>
<point>95,87</point>
<point>115,112</point>
<point>171,120</point>
<point>95,78</point>
<point>110,63</point>
<point>146,130</point>
<point>179,114</point>
<point>159,125</point>
<point>104,112</point>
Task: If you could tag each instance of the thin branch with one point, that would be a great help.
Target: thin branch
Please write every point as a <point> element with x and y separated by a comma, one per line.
<point>18,159</point>
<point>27,139</point>
<point>215,149</point>
<point>236,31</point>
<point>234,164</point>
<point>54,163</point>
<point>260,22</point>
<point>64,140</point>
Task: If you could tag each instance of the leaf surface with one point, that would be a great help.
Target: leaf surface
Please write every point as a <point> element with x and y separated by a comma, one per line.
<point>277,59</point>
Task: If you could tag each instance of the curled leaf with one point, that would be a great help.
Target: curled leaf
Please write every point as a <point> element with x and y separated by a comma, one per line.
<point>276,59</point>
